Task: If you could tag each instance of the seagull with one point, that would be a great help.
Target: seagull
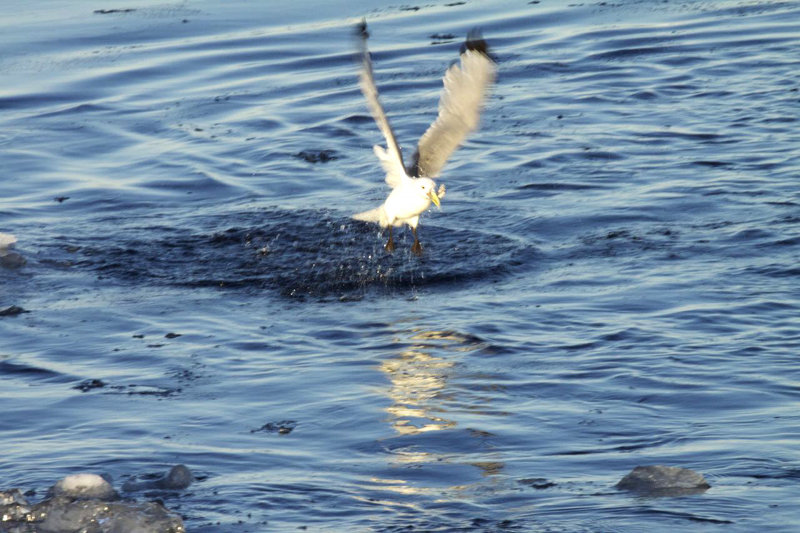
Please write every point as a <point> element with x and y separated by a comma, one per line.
<point>413,189</point>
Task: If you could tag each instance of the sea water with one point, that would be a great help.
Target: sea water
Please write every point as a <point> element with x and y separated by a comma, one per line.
<point>612,279</point>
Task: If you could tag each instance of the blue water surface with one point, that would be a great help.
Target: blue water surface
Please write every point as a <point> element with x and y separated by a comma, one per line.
<point>612,279</point>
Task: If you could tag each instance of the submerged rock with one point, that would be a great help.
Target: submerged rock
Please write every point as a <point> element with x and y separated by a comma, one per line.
<point>659,480</point>
<point>179,477</point>
<point>88,503</point>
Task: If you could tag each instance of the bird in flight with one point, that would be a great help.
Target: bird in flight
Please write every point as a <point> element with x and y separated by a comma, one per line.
<point>413,188</point>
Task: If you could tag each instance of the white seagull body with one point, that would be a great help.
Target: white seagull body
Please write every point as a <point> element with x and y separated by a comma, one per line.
<point>413,189</point>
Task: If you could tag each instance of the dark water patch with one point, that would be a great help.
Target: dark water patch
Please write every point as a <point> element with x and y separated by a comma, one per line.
<point>645,95</point>
<point>702,137</point>
<point>317,156</point>
<point>712,164</point>
<point>786,472</point>
<point>622,54</point>
<point>625,242</point>
<point>12,370</point>
<point>298,254</point>
<point>144,390</point>
<point>38,100</point>
<point>113,11</point>
<point>551,186</point>
<point>76,109</point>
<point>757,235</point>
<point>792,241</point>
<point>442,38</point>
<point>586,155</point>
<point>690,517</point>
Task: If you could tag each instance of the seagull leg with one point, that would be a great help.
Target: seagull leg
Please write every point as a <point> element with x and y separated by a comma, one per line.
<point>389,246</point>
<point>416,247</point>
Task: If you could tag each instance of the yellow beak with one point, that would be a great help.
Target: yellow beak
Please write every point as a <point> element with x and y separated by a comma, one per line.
<point>434,198</point>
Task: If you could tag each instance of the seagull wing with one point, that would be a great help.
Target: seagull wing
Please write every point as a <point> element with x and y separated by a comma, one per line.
<point>465,88</point>
<point>391,158</point>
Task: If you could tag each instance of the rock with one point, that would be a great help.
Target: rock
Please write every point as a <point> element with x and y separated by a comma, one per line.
<point>59,514</point>
<point>14,310</point>
<point>284,427</point>
<point>659,480</point>
<point>179,477</point>
<point>81,502</point>
<point>13,505</point>
<point>89,384</point>
<point>11,260</point>
<point>538,483</point>
<point>84,487</point>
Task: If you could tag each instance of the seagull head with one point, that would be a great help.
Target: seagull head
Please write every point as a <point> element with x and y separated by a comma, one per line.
<point>428,188</point>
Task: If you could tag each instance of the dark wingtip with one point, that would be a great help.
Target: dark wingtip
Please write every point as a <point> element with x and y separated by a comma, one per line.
<point>361,29</point>
<point>476,43</point>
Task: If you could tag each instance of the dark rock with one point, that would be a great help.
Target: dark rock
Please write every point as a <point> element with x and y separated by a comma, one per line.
<point>179,477</point>
<point>284,427</point>
<point>538,483</point>
<point>13,505</point>
<point>62,514</point>
<point>89,384</point>
<point>11,260</point>
<point>14,310</point>
<point>84,502</point>
<point>659,480</point>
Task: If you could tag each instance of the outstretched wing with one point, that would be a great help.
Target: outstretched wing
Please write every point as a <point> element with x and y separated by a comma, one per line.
<point>465,89</point>
<point>391,158</point>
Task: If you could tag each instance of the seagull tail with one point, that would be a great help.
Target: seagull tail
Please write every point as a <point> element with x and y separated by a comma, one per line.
<point>373,215</point>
